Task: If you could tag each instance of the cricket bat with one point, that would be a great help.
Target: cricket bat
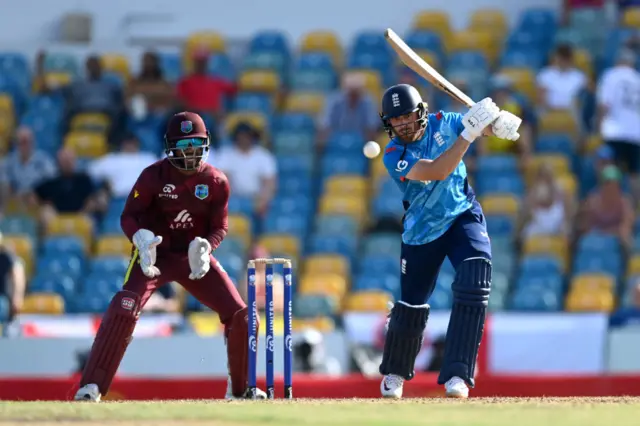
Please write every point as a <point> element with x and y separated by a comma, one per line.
<point>423,69</point>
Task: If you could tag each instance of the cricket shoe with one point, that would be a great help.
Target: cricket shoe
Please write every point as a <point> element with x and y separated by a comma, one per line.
<point>456,388</point>
<point>391,386</point>
<point>89,393</point>
<point>260,394</point>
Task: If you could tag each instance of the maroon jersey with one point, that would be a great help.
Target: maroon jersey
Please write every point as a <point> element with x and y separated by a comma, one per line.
<point>177,206</point>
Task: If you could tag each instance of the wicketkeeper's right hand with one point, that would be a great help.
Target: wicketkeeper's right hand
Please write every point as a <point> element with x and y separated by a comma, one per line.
<point>146,243</point>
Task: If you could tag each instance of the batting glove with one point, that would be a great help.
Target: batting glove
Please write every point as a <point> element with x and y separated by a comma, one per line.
<point>199,262</point>
<point>479,116</point>
<point>146,242</point>
<point>506,126</point>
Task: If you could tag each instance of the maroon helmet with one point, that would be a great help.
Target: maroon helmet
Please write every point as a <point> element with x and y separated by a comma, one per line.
<point>187,141</point>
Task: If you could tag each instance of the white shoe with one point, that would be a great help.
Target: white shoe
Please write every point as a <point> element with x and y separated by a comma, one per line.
<point>88,392</point>
<point>391,386</point>
<point>456,388</point>
<point>260,394</point>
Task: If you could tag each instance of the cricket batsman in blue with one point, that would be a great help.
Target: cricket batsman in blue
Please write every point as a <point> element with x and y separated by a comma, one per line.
<point>442,219</point>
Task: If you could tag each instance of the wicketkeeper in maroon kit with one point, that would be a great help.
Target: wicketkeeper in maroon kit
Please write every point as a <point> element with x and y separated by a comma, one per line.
<point>175,216</point>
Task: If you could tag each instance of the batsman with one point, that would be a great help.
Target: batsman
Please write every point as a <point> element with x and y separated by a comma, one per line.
<point>175,216</point>
<point>442,219</point>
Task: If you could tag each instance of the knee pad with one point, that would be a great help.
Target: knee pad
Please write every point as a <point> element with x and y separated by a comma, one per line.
<point>404,339</point>
<point>471,290</point>
<point>113,337</point>
<point>237,336</point>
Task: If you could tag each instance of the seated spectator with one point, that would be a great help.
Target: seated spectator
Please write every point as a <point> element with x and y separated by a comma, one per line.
<point>149,92</point>
<point>249,166</point>
<point>547,210</point>
<point>26,166</point>
<point>70,191</point>
<point>12,279</point>
<point>163,300</point>
<point>607,209</point>
<point>120,170</point>
<point>204,93</point>
<point>96,94</point>
<point>560,83</point>
<point>350,110</point>
<point>504,96</point>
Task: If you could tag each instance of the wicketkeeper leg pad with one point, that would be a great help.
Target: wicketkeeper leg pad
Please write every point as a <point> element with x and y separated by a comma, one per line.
<point>113,337</point>
<point>471,289</point>
<point>237,337</point>
<point>404,339</point>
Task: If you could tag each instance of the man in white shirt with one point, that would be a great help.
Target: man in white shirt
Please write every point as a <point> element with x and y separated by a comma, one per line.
<point>120,170</point>
<point>249,166</point>
<point>618,97</point>
<point>560,83</point>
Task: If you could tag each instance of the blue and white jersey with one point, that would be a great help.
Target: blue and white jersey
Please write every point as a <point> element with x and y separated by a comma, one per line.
<point>431,206</point>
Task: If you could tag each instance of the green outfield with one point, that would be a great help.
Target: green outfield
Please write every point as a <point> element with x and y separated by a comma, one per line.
<point>433,412</point>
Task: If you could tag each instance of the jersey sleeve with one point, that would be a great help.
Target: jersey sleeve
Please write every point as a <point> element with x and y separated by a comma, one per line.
<point>397,164</point>
<point>455,121</point>
<point>218,224</point>
<point>138,204</point>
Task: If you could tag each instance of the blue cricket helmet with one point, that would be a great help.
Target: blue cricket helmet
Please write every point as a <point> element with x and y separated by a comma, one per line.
<point>399,100</point>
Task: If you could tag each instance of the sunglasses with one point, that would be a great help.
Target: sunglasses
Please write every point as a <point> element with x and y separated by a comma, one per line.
<point>192,142</point>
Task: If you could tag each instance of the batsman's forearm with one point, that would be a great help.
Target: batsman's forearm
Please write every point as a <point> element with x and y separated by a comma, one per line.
<point>450,159</point>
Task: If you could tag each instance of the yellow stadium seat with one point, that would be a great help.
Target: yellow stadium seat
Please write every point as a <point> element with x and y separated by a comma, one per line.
<point>558,121</point>
<point>355,185</point>
<point>321,324</point>
<point>86,144</point>
<point>255,119</point>
<point>323,41</point>
<point>568,184</point>
<point>240,227</point>
<point>436,21</point>
<point>368,301</point>
<point>523,79</point>
<point>558,163</point>
<point>594,141</point>
<point>259,81</point>
<point>113,245</point>
<point>308,103</point>
<point>90,122</point>
<point>473,40</point>
<point>554,245</point>
<point>22,246</point>
<point>57,79</point>
<point>43,303</point>
<point>372,82</point>
<point>583,61</point>
<point>344,204</point>
<point>631,17</point>
<point>378,171</point>
<point>6,104</point>
<point>633,267</point>
<point>205,323</point>
<point>590,301</point>
<point>592,282</point>
<point>321,264</point>
<point>72,224</point>
<point>281,244</point>
<point>117,64</point>
<point>500,204</point>
<point>325,284</point>
<point>489,20</point>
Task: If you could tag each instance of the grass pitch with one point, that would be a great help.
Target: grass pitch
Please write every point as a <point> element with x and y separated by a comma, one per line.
<point>433,412</point>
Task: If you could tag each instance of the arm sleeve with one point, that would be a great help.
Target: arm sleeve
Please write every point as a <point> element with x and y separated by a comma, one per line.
<point>137,205</point>
<point>399,165</point>
<point>455,119</point>
<point>218,225</point>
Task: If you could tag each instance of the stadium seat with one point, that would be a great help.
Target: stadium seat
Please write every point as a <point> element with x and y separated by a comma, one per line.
<point>336,224</point>
<point>368,301</point>
<point>631,17</point>
<point>559,164</point>
<point>62,63</point>
<point>266,61</point>
<point>56,264</point>
<point>43,303</point>
<point>256,120</point>
<point>281,243</point>
<point>305,102</point>
<point>19,225</point>
<point>552,245</point>
<point>321,324</point>
<point>436,21</point>
<point>314,305</point>
<point>592,282</point>
<point>312,81</point>
<point>590,301</point>
<point>327,284</point>
<point>254,102</point>
<point>259,82</point>
<point>220,65</point>
<point>500,225</point>
<point>475,40</point>
<point>344,245</point>
<point>500,204</point>
<point>321,264</point>
<point>356,186</point>
<point>383,243</point>
<point>323,41</point>
<point>489,20</point>
<point>56,80</point>
<point>205,40</point>
<point>5,310</point>
<point>90,122</point>
<point>86,144</point>
<point>379,264</point>
<point>389,283</point>
<point>540,264</point>
<point>536,300</point>
<point>523,81</point>
<point>270,41</point>
<point>344,204</point>
<point>633,267</point>
<point>171,66</point>
<point>113,245</point>
<point>117,64</point>
<point>558,121</point>
<point>598,262</point>
<point>241,228</point>
<point>72,224</point>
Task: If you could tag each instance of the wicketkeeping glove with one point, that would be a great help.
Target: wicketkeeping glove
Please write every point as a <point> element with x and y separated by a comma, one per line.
<point>199,261</point>
<point>146,243</point>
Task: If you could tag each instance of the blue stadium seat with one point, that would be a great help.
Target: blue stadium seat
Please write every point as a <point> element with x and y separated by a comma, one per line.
<point>379,264</point>
<point>468,59</point>
<point>371,42</point>
<point>61,62</point>
<point>320,80</point>
<point>595,242</point>
<point>293,142</point>
<point>500,225</point>
<point>291,185</point>
<point>101,283</point>
<point>524,39</point>
<point>344,245</point>
<point>63,244</point>
<point>314,61</point>
<point>382,243</point>
<point>425,40</point>
<point>19,225</point>
<point>336,225</point>
<point>231,245</point>
<point>535,265</point>
<point>505,263</point>
<point>220,65</point>
<point>496,163</point>
<point>270,41</point>
<point>344,164</point>
<point>290,224</point>
<point>60,263</point>
<point>272,61</point>
<point>442,296</point>
<point>110,226</point>
<point>385,282</point>
<point>502,244</point>
<point>294,122</point>
<point>64,285</point>
<point>345,143</point>
<point>111,265</point>
<point>535,299</point>
<point>171,65</point>
<point>4,309</point>
<point>295,164</point>
<point>193,305</point>
<point>232,263</point>
<point>15,67</point>
<point>556,144</point>
<point>538,18</point>
<point>254,102</point>
<point>548,281</point>
<point>373,61</point>
<point>599,262</point>
<point>292,204</point>
<point>503,183</point>
<point>241,205</point>
<point>116,206</point>
<point>90,302</point>
<point>388,188</point>
<point>390,206</point>
<point>522,58</point>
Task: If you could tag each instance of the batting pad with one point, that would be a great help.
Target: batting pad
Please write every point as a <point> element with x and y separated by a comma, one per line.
<point>471,289</point>
<point>113,337</point>
<point>237,334</point>
<point>404,339</point>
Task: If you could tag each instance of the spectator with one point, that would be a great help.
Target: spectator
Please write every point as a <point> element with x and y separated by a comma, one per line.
<point>71,191</point>
<point>560,83</point>
<point>351,110</point>
<point>27,166</point>
<point>12,279</point>
<point>250,167</point>
<point>120,170</point>
<point>163,300</point>
<point>547,210</point>
<point>96,94</point>
<point>607,209</point>
<point>204,93</point>
<point>150,92</point>
<point>618,98</point>
<point>504,96</point>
